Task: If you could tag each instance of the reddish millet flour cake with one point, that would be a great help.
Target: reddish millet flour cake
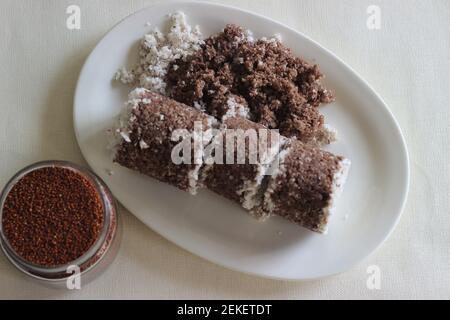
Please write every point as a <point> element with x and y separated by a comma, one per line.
<point>241,83</point>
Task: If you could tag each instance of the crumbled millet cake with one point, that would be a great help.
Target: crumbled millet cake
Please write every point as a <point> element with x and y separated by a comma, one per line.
<point>280,90</point>
<point>158,50</point>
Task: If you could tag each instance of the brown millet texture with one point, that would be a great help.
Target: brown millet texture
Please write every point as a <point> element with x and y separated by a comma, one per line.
<point>302,192</point>
<point>227,179</point>
<point>154,123</point>
<point>52,216</point>
<point>281,90</point>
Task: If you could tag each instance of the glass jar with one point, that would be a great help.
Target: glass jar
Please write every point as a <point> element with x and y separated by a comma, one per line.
<point>94,260</point>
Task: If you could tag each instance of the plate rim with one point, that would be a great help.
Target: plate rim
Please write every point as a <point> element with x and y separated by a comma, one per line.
<point>404,148</point>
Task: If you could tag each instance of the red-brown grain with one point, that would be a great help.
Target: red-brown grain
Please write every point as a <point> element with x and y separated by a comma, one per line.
<point>52,216</point>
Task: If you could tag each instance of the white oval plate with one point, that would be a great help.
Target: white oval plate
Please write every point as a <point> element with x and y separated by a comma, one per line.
<point>216,229</point>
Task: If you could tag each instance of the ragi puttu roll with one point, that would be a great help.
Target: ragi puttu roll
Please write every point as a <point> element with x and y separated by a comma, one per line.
<point>306,185</point>
<point>146,139</point>
<point>244,154</point>
<point>265,173</point>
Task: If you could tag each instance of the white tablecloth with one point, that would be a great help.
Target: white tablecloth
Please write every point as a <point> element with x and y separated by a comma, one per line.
<point>407,61</point>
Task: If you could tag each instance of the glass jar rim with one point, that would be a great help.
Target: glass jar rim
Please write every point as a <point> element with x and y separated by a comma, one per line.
<point>91,252</point>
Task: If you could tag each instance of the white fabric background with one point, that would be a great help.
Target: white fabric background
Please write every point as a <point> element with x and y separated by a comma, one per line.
<point>407,62</point>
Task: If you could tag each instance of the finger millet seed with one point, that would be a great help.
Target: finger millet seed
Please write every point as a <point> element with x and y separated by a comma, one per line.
<point>52,216</point>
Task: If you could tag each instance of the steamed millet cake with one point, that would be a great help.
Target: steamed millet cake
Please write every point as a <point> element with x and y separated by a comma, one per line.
<point>242,180</point>
<point>232,81</point>
<point>145,138</point>
<point>290,179</point>
<point>306,185</point>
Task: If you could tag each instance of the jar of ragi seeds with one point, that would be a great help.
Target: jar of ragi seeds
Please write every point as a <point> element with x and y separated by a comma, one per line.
<point>58,223</point>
